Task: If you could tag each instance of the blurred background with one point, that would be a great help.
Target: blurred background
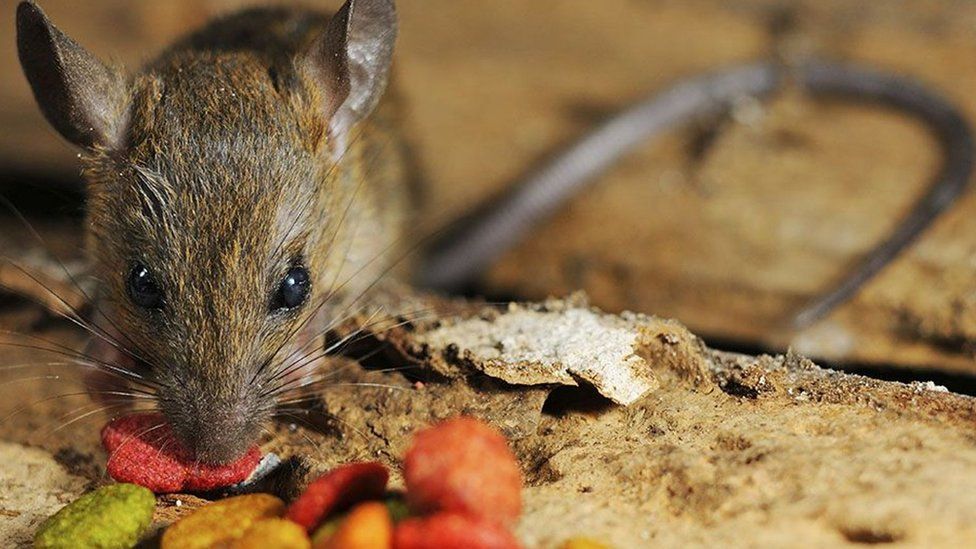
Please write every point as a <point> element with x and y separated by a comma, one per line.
<point>729,225</point>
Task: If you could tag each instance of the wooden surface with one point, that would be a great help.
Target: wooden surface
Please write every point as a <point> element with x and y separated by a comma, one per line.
<point>730,238</point>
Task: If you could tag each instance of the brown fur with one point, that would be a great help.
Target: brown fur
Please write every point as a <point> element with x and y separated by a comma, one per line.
<point>226,176</point>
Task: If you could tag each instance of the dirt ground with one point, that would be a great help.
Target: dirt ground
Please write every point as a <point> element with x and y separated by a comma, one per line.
<point>728,450</point>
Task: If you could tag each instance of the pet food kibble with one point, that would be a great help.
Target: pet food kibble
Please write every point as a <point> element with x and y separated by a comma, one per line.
<point>111,517</point>
<point>452,530</point>
<point>222,522</point>
<point>276,532</point>
<point>466,466</point>
<point>338,489</point>
<point>143,450</point>
<point>367,526</point>
<point>326,530</point>
<point>396,505</point>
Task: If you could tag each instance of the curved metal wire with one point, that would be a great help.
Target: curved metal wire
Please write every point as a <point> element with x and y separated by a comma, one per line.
<point>465,250</point>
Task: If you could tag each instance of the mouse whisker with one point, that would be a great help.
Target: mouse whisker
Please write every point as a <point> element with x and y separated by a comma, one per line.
<point>86,361</point>
<point>289,386</point>
<point>72,364</point>
<point>305,397</point>
<point>44,436</point>
<point>72,314</point>
<point>330,245</point>
<point>302,361</point>
<point>110,405</point>
<point>402,318</point>
<point>304,435</point>
<point>71,277</point>
<point>50,377</point>
<point>335,348</point>
<point>288,412</point>
<point>142,433</point>
<point>162,449</point>
<point>56,346</point>
<point>23,408</point>
<point>22,365</point>
<point>327,378</point>
<point>280,371</point>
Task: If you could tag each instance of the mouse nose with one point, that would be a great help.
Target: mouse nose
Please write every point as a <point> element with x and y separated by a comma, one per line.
<point>215,447</point>
<point>217,437</point>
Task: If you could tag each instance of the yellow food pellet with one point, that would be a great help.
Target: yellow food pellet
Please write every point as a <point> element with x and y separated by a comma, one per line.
<point>367,526</point>
<point>277,532</point>
<point>221,522</point>
<point>582,543</point>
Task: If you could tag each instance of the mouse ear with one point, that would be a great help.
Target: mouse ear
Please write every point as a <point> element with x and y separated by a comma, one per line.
<point>81,97</point>
<point>350,60</point>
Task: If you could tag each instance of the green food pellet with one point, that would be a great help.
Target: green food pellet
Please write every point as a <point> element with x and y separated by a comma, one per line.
<point>397,506</point>
<point>112,517</point>
<point>328,528</point>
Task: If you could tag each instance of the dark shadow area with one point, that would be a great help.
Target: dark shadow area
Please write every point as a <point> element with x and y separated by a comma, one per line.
<point>583,400</point>
<point>42,197</point>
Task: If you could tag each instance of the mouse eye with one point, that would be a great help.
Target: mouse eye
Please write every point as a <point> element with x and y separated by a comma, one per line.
<point>143,289</point>
<point>293,290</point>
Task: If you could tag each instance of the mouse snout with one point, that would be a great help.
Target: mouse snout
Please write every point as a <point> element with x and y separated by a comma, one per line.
<point>215,431</point>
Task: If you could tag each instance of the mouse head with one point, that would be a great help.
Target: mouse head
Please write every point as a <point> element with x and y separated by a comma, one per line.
<point>215,180</point>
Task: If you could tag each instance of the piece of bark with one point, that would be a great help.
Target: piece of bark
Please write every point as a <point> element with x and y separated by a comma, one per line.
<point>553,344</point>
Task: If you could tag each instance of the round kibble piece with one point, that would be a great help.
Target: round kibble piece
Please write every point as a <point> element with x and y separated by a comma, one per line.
<point>222,522</point>
<point>396,505</point>
<point>111,517</point>
<point>367,526</point>
<point>452,530</point>
<point>466,466</point>
<point>143,450</point>
<point>276,532</point>
<point>327,529</point>
<point>338,489</point>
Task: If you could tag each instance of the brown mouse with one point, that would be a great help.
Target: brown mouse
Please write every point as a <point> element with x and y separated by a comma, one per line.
<point>250,183</point>
<point>243,188</point>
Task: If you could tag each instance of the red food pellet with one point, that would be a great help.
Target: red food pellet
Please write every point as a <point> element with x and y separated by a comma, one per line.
<point>340,488</point>
<point>452,531</point>
<point>143,450</point>
<point>463,465</point>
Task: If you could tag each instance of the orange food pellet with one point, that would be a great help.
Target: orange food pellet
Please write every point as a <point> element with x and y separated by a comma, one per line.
<point>463,465</point>
<point>367,526</point>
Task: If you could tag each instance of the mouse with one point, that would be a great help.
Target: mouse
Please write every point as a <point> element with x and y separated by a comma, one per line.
<point>242,189</point>
<point>253,181</point>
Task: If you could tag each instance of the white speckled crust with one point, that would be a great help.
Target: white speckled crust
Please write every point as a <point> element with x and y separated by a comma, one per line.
<point>524,346</point>
<point>32,487</point>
